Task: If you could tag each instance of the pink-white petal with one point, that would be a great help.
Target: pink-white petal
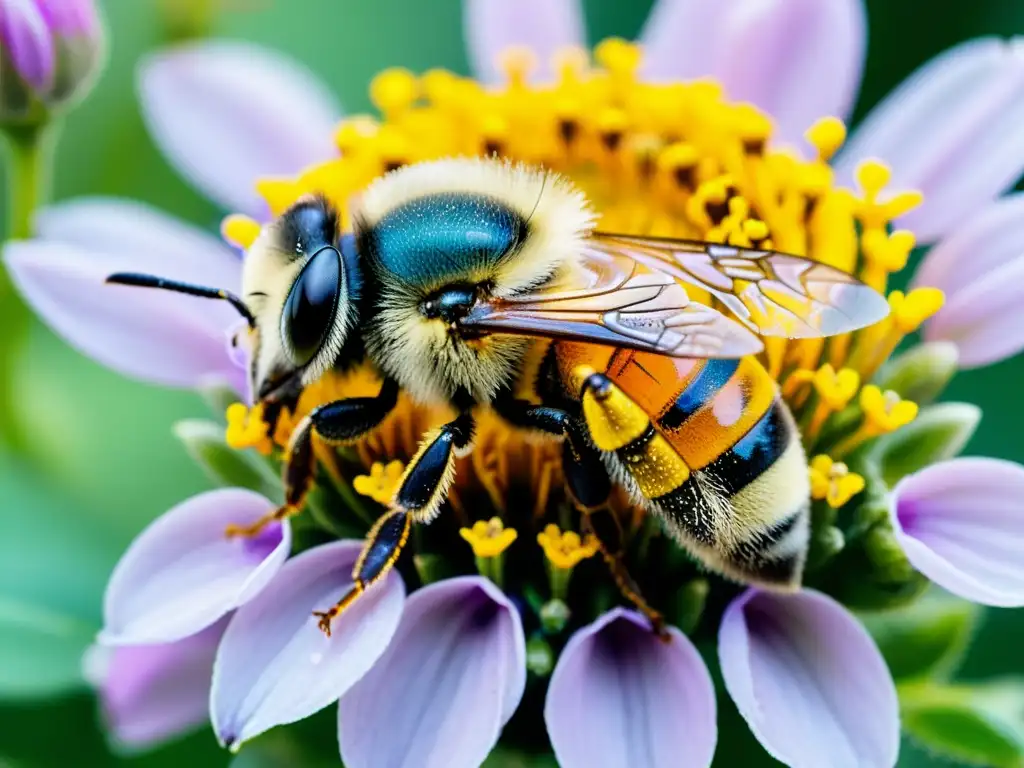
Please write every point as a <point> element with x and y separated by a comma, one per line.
<point>150,694</point>
<point>983,318</point>
<point>28,42</point>
<point>621,696</point>
<point>961,523</point>
<point>798,60</point>
<point>227,113</point>
<point>543,26</point>
<point>182,573</point>
<point>154,336</point>
<point>809,681</point>
<point>275,666</point>
<point>450,680</point>
<point>950,130</point>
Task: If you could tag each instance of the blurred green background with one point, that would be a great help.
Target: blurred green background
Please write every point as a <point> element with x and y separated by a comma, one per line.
<point>113,463</point>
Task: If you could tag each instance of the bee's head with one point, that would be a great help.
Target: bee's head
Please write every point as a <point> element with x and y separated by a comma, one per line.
<point>301,294</point>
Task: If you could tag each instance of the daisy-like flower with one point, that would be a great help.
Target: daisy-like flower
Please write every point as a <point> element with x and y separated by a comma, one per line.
<point>693,133</point>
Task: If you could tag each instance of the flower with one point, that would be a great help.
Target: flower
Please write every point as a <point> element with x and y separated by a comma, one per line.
<point>960,523</point>
<point>50,53</point>
<point>656,156</point>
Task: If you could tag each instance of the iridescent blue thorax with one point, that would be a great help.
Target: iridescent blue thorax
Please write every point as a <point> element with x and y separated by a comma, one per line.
<point>444,237</point>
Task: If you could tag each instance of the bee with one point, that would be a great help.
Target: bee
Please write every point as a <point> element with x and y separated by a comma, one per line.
<point>478,284</point>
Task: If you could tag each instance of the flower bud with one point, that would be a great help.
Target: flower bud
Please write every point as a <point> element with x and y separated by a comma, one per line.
<point>50,53</point>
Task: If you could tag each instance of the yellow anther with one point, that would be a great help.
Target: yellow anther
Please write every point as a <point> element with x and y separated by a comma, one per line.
<point>382,482</point>
<point>888,253</point>
<point>279,194</point>
<point>246,428</point>
<point>489,538</point>
<point>240,230</point>
<point>885,411</point>
<point>752,125</point>
<point>833,481</point>
<point>571,64</point>
<point>911,310</point>
<point>354,133</point>
<point>755,229</point>
<point>836,389</point>
<point>679,154</point>
<point>872,175</point>
<point>618,56</point>
<point>612,121</point>
<point>827,135</point>
<point>565,550</point>
<point>439,86</point>
<point>394,90</point>
<point>518,63</point>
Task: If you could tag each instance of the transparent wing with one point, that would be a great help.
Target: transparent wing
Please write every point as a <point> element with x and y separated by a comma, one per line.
<point>774,294</point>
<point>616,300</point>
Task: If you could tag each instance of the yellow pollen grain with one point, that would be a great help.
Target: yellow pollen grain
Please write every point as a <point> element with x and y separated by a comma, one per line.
<point>833,481</point>
<point>382,482</point>
<point>489,538</point>
<point>246,428</point>
<point>240,230</point>
<point>827,135</point>
<point>565,550</point>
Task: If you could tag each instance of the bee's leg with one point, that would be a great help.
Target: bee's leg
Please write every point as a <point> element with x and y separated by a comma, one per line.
<point>589,485</point>
<point>338,422</point>
<point>420,493</point>
<point>383,546</point>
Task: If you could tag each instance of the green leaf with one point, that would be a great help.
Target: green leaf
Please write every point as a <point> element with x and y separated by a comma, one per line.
<point>975,724</point>
<point>204,441</point>
<point>921,373</point>
<point>927,639</point>
<point>938,433</point>
<point>503,757</point>
<point>53,568</point>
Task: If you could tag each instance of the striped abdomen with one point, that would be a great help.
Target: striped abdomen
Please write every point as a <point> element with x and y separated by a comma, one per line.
<point>713,448</point>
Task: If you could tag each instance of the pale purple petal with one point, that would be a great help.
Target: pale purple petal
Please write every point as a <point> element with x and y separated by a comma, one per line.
<point>961,523</point>
<point>150,335</point>
<point>70,17</point>
<point>798,60</point>
<point>809,681</point>
<point>950,130</point>
<point>622,696</point>
<point>983,318</point>
<point>227,113</point>
<point>26,39</point>
<point>275,666</point>
<point>153,693</point>
<point>450,680</point>
<point>986,241</point>
<point>182,573</point>
<point>543,26</point>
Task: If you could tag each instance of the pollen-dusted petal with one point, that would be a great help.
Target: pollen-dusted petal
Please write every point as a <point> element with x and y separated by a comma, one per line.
<point>620,696</point>
<point>451,678</point>
<point>961,523</point>
<point>983,320</point>
<point>798,60</point>
<point>28,41</point>
<point>152,693</point>
<point>182,573</point>
<point>544,26</point>
<point>950,130</point>
<point>227,113</point>
<point>154,336</point>
<point>275,666</point>
<point>809,681</point>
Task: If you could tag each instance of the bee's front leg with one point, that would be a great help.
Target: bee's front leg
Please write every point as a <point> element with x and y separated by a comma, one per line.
<point>420,493</point>
<point>339,422</point>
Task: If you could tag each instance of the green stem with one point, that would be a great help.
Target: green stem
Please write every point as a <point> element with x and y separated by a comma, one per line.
<point>29,173</point>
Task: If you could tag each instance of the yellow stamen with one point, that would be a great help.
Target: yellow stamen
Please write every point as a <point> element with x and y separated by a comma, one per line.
<point>836,389</point>
<point>246,428</point>
<point>566,550</point>
<point>833,481</point>
<point>884,254</point>
<point>489,538</point>
<point>885,411</point>
<point>240,230</point>
<point>911,310</point>
<point>382,482</point>
<point>874,213</point>
<point>827,135</point>
<point>394,90</point>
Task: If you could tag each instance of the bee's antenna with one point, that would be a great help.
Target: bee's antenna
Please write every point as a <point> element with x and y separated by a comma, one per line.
<point>152,281</point>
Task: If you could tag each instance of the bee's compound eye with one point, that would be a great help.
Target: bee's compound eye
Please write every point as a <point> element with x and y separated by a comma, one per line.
<point>312,305</point>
